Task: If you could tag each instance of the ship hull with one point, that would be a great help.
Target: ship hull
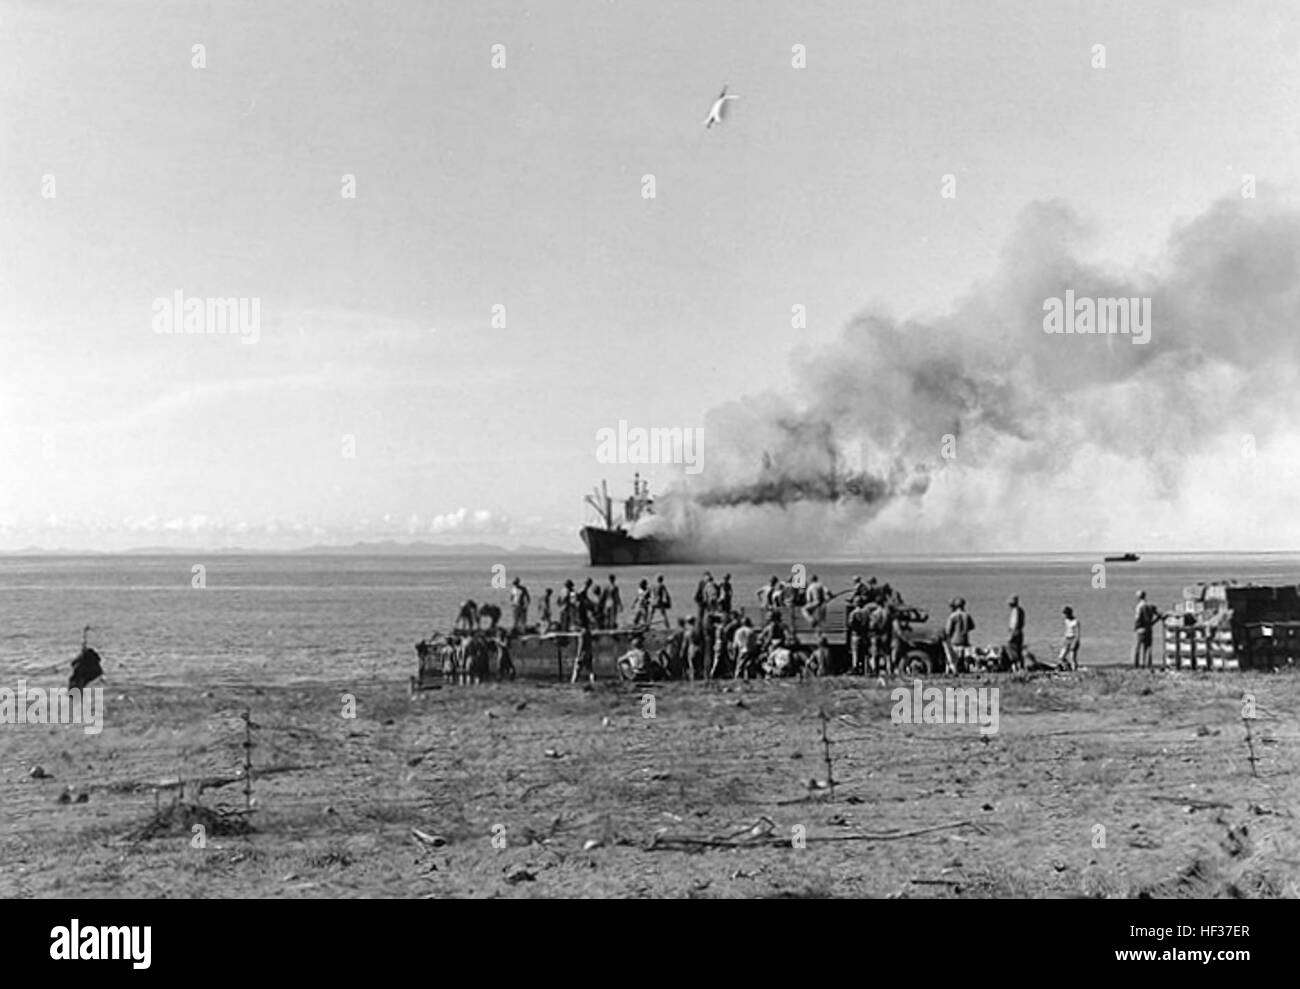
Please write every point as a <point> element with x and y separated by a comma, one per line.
<point>615,548</point>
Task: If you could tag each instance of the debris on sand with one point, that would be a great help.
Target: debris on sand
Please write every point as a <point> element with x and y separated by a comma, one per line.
<point>434,840</point>
<point>1191,804</point>
<point>520,875</point>
<point>762,834</point>
<point>1262,809</point>
<point>39,773</point>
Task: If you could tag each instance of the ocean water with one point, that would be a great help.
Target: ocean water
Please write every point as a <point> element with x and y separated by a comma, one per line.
<point>265,619</point>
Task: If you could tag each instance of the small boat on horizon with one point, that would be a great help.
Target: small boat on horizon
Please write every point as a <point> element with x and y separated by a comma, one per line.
<point>1126,558</point>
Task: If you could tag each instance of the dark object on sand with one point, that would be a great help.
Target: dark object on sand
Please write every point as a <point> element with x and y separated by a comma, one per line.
<point>85,668</point>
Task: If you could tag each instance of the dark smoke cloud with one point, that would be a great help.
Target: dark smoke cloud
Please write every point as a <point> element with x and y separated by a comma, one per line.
<point>804,465</point>
<point>1061,441</point>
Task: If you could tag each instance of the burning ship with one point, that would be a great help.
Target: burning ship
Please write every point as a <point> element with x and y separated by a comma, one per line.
<point>613,544</point>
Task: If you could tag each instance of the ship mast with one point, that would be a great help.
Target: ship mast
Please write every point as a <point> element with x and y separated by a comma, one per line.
<point>599,500</point>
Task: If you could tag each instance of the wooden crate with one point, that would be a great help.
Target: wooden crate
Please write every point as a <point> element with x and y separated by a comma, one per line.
<point>1201,647</point>
<point>1272,644</point>
<point>1232,645</point>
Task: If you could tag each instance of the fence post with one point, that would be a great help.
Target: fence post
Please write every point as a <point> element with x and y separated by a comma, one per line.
<point>826,754</point>
<point>249,745</point>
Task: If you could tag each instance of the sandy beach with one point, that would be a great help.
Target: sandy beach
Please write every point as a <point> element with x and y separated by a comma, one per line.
<point>1112,783</point>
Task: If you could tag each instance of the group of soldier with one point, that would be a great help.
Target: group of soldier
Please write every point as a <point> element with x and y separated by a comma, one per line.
<point>720,640</point>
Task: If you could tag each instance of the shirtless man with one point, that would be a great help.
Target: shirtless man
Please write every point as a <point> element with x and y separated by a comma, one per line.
<point>519,601</point>
<point>641,604</point>
<point>611,603</point>
<point>662,600</point>
<point>815,598</point>
<point>547,620</point>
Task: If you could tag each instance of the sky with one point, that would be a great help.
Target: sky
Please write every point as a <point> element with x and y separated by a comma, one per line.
<point>381,398</point>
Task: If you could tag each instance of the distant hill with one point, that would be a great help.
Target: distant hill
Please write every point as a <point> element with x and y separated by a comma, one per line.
<point>386,547</point>
<point>389,547</point>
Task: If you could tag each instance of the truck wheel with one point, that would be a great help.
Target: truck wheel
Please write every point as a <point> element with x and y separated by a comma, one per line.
<point>917,663</point>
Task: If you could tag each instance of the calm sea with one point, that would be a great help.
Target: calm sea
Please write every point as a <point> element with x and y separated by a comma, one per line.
<point>280,619</point>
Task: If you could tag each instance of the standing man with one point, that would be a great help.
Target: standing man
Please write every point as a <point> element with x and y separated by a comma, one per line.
<point>547,617</point>
<point>725,594</point>
<point>568,606</point>
<point>960,626</point>
<point>814,608</point>
<point>898,627</point>
<point>1070,644</point>
<point>858,593</point>
<point>879,623</point>
<point>673,655</point>
<point>695,650</point>
<point>611,603</point>
<point>743,649</point>
<point>772,596</point>
<point>722,656</point>
<point>519,601</point>
<point>642,603</point>
<point>859,639</point>
<point>1144,622</point>
<point>586,659</point>
<point>706,593</point>
<point>1016,633</point>
<point>662,600</point>
<point>588,602</point>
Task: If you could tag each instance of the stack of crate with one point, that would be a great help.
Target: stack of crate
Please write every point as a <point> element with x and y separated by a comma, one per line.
<point>1227,626</point>
<point>1198,634</point>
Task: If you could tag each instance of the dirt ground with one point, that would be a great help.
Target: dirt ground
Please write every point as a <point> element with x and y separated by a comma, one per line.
<point>1098,783</point>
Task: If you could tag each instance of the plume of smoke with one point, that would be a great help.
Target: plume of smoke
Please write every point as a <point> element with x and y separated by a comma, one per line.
<point>978,430</point>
